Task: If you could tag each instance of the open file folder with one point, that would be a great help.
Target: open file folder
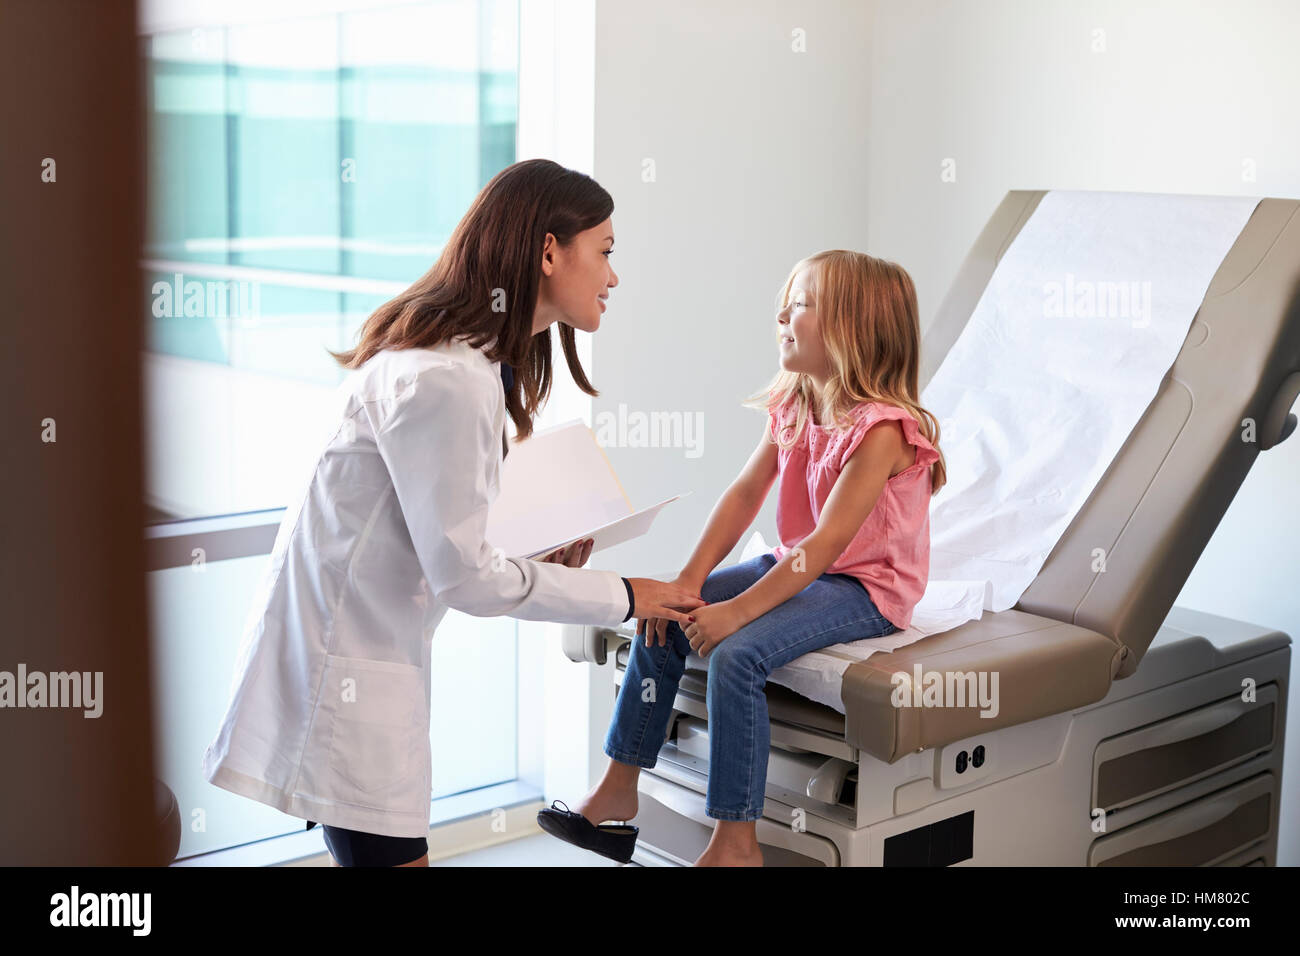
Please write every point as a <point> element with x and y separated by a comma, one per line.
<point>558,487</point>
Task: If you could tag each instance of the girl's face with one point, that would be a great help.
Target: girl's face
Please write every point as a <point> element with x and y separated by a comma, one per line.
<point>576,279</point>
<point>799,331</point>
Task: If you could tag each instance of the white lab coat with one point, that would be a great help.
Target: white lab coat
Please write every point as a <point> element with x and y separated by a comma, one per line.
<point>329,706</point>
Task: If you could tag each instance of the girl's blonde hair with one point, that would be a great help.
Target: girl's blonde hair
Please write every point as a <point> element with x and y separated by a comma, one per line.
<point>868,315</point>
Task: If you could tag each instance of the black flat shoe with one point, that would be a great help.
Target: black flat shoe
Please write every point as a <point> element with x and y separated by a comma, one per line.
<point>614,841</point>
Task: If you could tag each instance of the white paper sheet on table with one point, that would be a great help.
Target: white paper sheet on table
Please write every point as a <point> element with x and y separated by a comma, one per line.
<point>1034,399</point>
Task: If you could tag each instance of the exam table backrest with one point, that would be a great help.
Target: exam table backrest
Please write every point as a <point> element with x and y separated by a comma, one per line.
<point>1156,506</point>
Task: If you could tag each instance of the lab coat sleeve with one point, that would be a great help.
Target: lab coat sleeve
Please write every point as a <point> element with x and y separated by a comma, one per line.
<point>438,443</point>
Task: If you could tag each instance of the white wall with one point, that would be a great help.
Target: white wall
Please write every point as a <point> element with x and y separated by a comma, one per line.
<point>1185,98</point>
<point>763,155</point>
<point>1184,95</point>
<point>760,158</point>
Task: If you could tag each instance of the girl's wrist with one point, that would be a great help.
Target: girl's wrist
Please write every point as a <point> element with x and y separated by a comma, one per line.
<point>738,606</point>
<point>691,579</point>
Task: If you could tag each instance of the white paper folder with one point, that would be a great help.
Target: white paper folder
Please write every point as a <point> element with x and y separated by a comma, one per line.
<point>558,487</point>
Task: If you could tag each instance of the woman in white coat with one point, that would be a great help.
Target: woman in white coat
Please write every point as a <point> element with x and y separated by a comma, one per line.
<point>329,708</point>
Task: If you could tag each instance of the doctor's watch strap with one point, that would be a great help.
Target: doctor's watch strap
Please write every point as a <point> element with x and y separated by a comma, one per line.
<point>631,598</point>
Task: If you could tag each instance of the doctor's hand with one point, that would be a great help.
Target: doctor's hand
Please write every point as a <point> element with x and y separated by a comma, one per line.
<point>661,599</point>
<point>574,556</point>
<point>656,628</point>
<point>712,625</point>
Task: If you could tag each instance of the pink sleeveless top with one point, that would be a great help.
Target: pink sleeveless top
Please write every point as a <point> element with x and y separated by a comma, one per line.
<point>890,554</point>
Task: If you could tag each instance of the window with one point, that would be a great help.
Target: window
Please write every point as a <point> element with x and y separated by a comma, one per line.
<point>302,170</point>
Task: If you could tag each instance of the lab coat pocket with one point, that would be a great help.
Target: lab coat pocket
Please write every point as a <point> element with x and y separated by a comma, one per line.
<point>375,725</point>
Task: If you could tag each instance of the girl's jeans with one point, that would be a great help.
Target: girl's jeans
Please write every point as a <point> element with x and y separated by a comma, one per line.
<point>831,610</point>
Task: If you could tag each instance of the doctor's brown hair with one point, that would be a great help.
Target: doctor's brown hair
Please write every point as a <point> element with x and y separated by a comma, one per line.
<point>869,321</point>
<point>485,284</point>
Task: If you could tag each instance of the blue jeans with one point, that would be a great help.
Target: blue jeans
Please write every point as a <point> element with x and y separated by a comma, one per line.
<point>831,610</point>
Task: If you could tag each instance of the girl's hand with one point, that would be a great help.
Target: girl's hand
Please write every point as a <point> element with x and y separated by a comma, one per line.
<point>653,599</point>
<point>712,624</point>
<point>575,555</point>
<point>657,627</point>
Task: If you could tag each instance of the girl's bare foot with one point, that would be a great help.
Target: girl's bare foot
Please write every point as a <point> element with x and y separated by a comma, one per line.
<point>731,857</point>
<point>614,798</point>
<point>734,843</point>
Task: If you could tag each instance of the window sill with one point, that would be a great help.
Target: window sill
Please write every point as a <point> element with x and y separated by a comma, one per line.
<point>444,813</point>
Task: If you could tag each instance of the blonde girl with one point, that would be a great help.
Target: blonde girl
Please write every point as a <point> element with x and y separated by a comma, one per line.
<point>853,559</point>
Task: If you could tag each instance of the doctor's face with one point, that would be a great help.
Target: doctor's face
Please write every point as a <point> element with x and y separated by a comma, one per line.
<point>576,279</point>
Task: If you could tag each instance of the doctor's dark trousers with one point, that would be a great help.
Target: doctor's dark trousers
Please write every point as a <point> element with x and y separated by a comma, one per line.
<point>831,610</point>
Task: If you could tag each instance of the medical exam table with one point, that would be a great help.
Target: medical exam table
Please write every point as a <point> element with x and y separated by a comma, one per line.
<point>1129,731</point>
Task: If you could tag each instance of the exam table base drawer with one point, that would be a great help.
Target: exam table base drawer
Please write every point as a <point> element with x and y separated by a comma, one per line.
<point>1210,831</point>
<point>1257,855</point>
<point>1170,753</point>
